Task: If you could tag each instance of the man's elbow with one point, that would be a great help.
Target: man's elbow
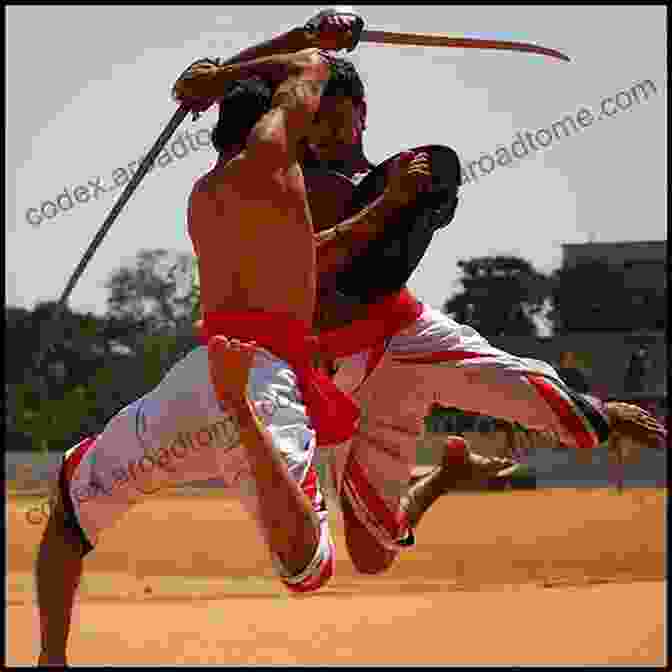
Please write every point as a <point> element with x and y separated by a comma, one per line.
<point>199,80</point>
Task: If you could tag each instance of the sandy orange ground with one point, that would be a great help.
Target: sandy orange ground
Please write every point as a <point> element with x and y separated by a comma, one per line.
<point>547,577</point>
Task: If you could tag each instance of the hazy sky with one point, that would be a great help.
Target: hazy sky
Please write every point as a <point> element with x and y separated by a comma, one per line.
<point>88,91</point>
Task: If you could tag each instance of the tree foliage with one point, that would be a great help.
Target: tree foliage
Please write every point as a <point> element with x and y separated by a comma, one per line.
<point>593,295</point>
<point>500,295</point>
<point>66,378</point>
<point>160,291</point>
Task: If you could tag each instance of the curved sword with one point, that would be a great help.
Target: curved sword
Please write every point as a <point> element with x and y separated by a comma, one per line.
<point>421,40</point>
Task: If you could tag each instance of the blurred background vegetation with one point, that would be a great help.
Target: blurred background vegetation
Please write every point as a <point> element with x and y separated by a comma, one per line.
<point>96,364</point>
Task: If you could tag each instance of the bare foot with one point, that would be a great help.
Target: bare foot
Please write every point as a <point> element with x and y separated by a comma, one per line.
<point>633,422</point>
<point>45,661</point>
<point>230,362</point>
<point>462,468</point>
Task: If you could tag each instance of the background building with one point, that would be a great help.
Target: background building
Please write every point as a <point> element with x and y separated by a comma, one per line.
<point>618,286</point>
<point>644,264</point>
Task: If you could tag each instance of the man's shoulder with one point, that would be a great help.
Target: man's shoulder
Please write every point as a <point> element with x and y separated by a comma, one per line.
<point>229,175</point>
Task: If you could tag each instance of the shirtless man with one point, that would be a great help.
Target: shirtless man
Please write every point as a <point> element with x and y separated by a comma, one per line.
<point>421,357</point>
<point>252,204</point>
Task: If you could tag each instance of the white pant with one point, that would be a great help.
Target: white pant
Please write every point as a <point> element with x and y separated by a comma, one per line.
<point>177,433</point>
<point>437,360</point>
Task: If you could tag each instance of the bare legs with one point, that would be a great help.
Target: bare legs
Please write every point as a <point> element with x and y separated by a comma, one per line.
<point>460,469</point>
<point>292,527</point>
<point>58,572</point>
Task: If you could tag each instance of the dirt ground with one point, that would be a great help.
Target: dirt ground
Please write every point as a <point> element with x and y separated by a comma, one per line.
<point>547,577</point>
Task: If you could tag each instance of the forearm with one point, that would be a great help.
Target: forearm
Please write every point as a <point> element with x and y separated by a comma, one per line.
<point>338,245</point>
<point>291,41</point>
<point>210,82</point>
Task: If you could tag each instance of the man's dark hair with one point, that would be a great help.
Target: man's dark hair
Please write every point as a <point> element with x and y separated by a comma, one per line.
<point>242,105</point>
<point>245,101</point>
<point>344,80</point>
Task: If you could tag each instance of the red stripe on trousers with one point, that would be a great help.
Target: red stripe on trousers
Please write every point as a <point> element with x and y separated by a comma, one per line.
<point>72,461</point>
<point>565,410</point>
<point>314,582</point>
<point>310,483</point>
<point>393,522</point>
<point>372,362</point>
<point>445,356</point>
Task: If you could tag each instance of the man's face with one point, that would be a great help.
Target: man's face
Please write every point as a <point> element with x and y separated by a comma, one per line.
<point>337,129</point>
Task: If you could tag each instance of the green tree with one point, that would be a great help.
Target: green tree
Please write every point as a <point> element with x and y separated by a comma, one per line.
<point>500,295</point>
<point>593,295</point>
<point>154,304</point>
<point>160,291</point>
<point>51,364</point>
<point>67,377</point>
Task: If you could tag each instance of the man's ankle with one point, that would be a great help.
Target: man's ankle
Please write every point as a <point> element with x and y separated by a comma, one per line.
<point>46,660</point>
<point>455,451</point>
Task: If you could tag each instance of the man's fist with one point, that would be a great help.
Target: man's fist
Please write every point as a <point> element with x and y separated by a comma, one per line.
<point>334,30</point>
<point>193,86</point>
<point>636,424</point>
<point>409,174</point>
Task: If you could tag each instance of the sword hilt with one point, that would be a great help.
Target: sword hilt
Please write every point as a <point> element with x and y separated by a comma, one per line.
<point>313,25</point>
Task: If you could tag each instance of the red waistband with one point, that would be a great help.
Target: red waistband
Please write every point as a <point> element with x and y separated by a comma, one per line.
<point>333,414</point>
<point>285,336</point>
<point>384,319</point>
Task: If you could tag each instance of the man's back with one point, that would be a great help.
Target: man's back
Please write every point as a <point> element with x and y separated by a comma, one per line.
<point>252,233</point>
<point>249,219</point>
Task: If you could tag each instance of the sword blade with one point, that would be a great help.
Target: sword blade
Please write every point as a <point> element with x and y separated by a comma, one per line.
<point>421,40</point>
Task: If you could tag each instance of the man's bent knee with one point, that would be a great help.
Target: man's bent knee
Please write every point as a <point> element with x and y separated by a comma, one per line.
<point>319,570</point>
<point>374,533</point>
<point>367,554</point>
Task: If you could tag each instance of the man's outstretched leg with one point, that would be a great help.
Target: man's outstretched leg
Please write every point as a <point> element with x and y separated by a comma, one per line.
<point>285,512</point>
<point>58,572</point>
<point>460,469</point>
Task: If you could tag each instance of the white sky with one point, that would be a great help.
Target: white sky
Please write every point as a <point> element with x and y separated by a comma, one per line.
<point>88,91</point>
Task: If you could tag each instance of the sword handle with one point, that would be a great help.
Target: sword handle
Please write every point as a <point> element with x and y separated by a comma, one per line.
<point>313,25</point>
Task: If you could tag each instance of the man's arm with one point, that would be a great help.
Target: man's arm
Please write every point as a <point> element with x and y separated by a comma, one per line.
<point>338,245</point>
<point>325,25</point>
<point>201,83</point>
<point>206,80</point>
<point>293,40</point>
<point>299,81</point>
<point>275,139</point>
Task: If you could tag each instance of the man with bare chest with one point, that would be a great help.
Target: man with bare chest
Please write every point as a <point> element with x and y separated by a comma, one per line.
<point>397,356</point>
<point>257,324</point>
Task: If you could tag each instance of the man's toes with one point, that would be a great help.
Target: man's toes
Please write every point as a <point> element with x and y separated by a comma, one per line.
<point>230,364</point>
<point>243,346</point>
<point>219,343</point>
<point>222,344</point>
<point>455,451</point>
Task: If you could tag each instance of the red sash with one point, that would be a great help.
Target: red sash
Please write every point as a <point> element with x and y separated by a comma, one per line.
<point>384,319</point>
<point>333,414</point>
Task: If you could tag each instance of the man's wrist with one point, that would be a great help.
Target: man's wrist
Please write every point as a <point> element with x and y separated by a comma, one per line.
<point>385,207</point>
<point>299,38</point>
<point>293,40</point>
<point>245,413</point>
<point>392,203</point>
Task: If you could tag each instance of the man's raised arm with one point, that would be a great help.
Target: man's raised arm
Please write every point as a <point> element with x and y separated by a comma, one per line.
<point>336,246</point>
<point>320,31</point>
<point>202,83</point>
